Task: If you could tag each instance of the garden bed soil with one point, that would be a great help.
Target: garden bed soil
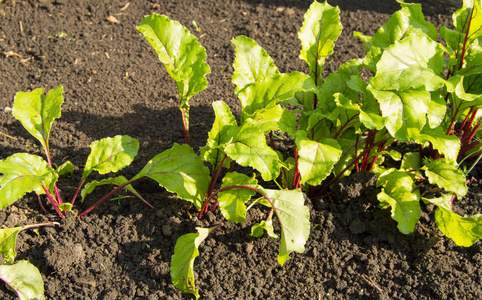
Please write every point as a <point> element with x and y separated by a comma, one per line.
<point>114,84</point>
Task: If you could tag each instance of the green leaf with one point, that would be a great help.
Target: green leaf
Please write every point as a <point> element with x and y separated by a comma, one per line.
<point>37,112</point>
<point>252,63</point>
<point>24,278</point>
<point>24,173</point>
<point>468,20</point>
<point>316,159</point>
<point>182,262</point>
<point>260,228</point>
<point>111,154</point>
<point>218,135</point>
<point>118,181</point>
<point>448,145</point>
<point>294,219</point>
<point>8,239</point>
<point>473,59</point>
<point>411,161</point>
<point>403,66</point>
<point>66,169</point>
<point>248,148</point>
<point>279,89</point>
<point>444,201</point>
<point>405,112</point>
<point>399,194</point>
<point>179,170</point>
<point>180,52</point>
<point>403,22</point>
<point>320,30</point>
<point>464,231</point>
<point>231,201</point>
<point>446,176</point>
<point>274,118</point>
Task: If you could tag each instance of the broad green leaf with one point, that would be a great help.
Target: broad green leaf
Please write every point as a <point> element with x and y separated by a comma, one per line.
<point>24,173</point>
<point>182,262</point>
<point>260,228</point>
<point>24,279</point>
<point>37,112</point>
<point>231,201</point>
<point>448,145</point>
<point>399,194</point>
<point>444,201</point>
<point>446,176</point>
<point>66,169</point>
<point>294,219</point>
<point>248,148</point>
<point>403,66</point>
<point>463,100</point>
<point>464,231</point>
<point>316,159</point>
<point>411,161</point>
<point>119,180</point>
<point>179,170</point>
<point>320,30</point>
<point>403,22</point>
<point>8,239</point>
<point>339,83</point>
<point>180,52</point>
<point>405,112</point>
<point>468,19</point>
<point>218,135</point>
<point>111,154</point>
<point>437,110</point>
<point>473,59</point>
<point>252,63</point>
<point>274,118</point>
<point>279,89</point>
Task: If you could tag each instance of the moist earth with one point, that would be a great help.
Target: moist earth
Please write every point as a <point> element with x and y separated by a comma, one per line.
<point>114,84</point>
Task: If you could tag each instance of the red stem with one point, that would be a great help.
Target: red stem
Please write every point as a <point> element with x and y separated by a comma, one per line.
<point>54,203</point>
<point>462,56</point>
<point>186,126</point>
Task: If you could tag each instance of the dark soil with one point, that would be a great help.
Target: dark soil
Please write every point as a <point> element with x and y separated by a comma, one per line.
<point>114,84</point>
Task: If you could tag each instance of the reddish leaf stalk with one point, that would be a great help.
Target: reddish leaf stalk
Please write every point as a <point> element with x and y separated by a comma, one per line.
<point>186,126</point>
<point>53,201</point>
<point>462,56</point>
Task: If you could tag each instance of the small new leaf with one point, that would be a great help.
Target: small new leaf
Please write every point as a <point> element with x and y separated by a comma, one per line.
<point>111,154</point>
<point>260,228</point>
<point>182,262</point>
<point>119,180</point>
<point>231,201</point>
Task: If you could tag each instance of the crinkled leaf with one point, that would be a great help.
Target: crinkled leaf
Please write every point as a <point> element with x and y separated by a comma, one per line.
<point>294,219</point>
<point>23,173</point>
<point>260,228</point>
<point>252,63</point>
<point>464,231</point>
<point>339,83</point>
<point>448,145</point>
<point>274,118</point>
<point>218,135</point>
<point>37,112</point>
<point>405,112</point>
<point>446,176</point>
<point>231,201</point>
<point>119,180</point>
<point>403,22</point>
<point>320,30</point>
<point>316,159</point>
<point>403,66</point>
<point>179,170</point>
<point>248,148</point>
<point>111,154</point>
<point>180,52</point>
<point>24,278</point>
<point>66,169</point>
<point>279,89</point>
<point>399,194</point>
<point>182,262</point>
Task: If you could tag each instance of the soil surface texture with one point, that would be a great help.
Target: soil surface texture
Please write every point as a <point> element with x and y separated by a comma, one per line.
<point>114,84</point>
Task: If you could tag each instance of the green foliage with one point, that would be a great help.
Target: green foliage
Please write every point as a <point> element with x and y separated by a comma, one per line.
<point>24,279</point>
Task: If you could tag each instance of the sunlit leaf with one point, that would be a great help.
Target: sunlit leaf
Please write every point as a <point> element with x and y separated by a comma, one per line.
<point>446,176</point>
<point>231,201</point>
<point>24,279</point>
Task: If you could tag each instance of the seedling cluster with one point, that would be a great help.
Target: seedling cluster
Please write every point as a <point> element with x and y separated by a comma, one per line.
<point>421,91</point>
